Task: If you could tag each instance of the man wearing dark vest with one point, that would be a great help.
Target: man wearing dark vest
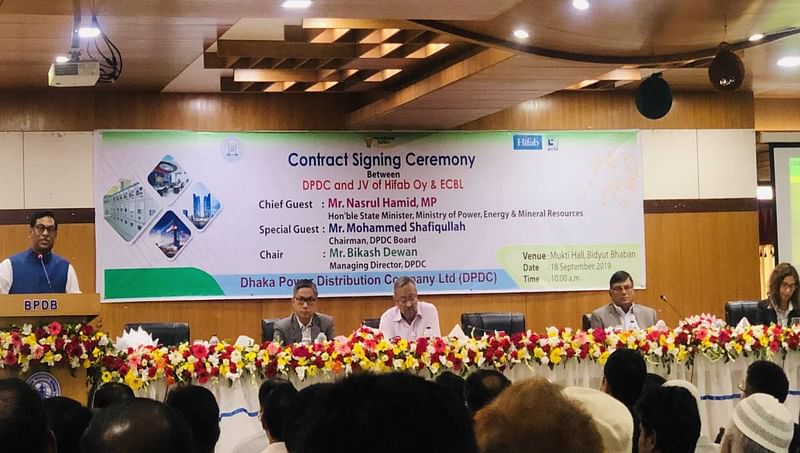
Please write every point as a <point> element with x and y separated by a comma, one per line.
<point>38,269</point>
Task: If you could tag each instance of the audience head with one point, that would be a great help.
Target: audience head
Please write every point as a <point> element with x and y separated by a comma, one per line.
<point>388,413</point>
<point>199,409</point>
<point>110,393</point>
<point>652,381</point>
<point>670,421</point>
<point>307,409</point>
<point>534,415</point>
<point>766,377</point>
<point>759,424</point>
<point>405,297</point>
<point>613,420</point>
<point>44,229</point>
<point>138,426</point>
<point>23,422</point>
<point>621,288</point>
<point>783,285</point>
<point>453,384</point>
<point>482,387</point>
<point>624,375</point>
<point>68,419</point>
<point>276,410</point>
<point>304,300</point>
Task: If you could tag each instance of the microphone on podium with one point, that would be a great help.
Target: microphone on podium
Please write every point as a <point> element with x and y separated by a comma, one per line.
<point>41,261</point>
<point>664,298</point>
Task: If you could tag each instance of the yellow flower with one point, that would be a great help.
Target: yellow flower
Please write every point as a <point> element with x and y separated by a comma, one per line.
<point>603,357</point>
<point>133,381</point>
<point>106,376</point>
<point>538,352</point>
<point>555,355</point>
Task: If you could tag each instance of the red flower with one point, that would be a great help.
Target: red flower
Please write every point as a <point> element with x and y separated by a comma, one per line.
<point>200,351</point>
<point>87,330</point>
<point>202,375</point>
<point>422,345</point>
<point>10,358</point>
<point>599,335</point>
<point>55,328</point>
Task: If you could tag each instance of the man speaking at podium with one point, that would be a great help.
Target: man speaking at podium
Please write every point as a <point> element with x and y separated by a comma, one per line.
<point>38,269</point>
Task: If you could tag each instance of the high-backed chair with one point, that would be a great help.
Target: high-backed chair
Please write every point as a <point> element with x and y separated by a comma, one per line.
<point>586,321</point>
<point>481,323</point>
<point>735,310</point>
<point>268,329</point>
<point>372,322</point>
<point>167,333</point>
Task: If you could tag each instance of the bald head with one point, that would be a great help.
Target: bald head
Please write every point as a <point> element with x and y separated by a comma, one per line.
<point>138,426</point>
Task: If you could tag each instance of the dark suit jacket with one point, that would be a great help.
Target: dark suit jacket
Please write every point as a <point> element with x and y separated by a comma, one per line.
<point>766,313</point>
<point>606,316</point>
<point>287,330</point>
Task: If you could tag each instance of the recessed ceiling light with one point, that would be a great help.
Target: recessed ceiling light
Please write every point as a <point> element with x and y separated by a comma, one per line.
<point>789,62</point>
<point>756,37</point>
<point>296,4</point>
<point>88,32</point>
<point>521,34</point>
<point>62,59</point>
<point>580,4</point>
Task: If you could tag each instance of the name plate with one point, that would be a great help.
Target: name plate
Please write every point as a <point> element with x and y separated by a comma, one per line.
<point>36,305</point>
<point>49,305</point>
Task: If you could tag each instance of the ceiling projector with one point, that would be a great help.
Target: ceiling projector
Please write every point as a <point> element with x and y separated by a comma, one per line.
<point>74,74</point>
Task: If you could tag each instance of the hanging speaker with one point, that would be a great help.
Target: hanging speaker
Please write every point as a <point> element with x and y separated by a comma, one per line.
<point>726,71</point>
<point>654,97</point>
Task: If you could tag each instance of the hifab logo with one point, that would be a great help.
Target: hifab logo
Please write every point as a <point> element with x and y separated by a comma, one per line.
<point>527,142</point>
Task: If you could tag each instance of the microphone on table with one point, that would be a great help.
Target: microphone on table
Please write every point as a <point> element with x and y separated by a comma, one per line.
<point>41,261</point>
<point>664,298</point>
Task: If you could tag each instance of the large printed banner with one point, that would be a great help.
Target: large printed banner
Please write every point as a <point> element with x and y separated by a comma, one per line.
<point>188,215</point>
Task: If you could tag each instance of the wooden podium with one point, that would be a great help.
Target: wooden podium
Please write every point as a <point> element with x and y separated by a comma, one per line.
<point>35,309</point>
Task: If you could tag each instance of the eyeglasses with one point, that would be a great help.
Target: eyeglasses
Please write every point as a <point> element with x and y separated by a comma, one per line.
<point>404,300</point>
<point>305,300</point>
<point>619,289</point>
<point>39,228</point>
<point>741,388</point>
<point>788,285</point>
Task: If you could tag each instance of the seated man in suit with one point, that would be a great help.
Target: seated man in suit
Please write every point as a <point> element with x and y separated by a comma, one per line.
<point>305,324</point>
<point>622,312</point>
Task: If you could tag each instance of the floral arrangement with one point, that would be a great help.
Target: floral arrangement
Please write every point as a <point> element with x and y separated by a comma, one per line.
<point>368,350</point>
<point>52,345</point>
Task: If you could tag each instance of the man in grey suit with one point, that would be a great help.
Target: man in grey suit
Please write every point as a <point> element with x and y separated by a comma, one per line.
<point>305,324</point>
<point>622,312</point>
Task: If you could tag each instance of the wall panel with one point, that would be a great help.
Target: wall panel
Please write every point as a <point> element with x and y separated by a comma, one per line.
<point>59,170</point>
<point>669,164</point>
<point>617,110</point>
<point>12,194</point>
<point>777,114</point>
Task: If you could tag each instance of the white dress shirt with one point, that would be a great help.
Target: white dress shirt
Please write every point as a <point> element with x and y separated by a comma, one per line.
<point>627,320</point>
<point>425,324</point>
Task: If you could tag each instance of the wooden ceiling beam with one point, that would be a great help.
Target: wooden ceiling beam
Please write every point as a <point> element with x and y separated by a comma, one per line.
<point>278,49</point>
<point>452,74</point>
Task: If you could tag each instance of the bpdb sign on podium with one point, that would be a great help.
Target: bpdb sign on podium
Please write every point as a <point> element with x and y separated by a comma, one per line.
<point>36,305</point>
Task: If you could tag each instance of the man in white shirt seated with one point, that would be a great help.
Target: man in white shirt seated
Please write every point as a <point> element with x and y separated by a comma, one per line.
<point>622,312</point>
<point>410,318</point>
